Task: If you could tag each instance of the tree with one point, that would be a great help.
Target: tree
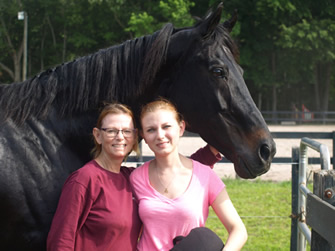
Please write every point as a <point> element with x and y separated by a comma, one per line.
<point>274,65</point>
<point>286,47</point>
<point>10,44</point>
<point>59,31</point>
<point>173,11</point>
<point>312,37</point>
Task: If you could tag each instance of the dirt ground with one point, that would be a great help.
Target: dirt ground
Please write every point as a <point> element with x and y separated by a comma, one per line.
<point>277,172</point>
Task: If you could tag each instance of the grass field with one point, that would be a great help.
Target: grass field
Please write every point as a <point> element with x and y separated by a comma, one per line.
<point>265,209</point>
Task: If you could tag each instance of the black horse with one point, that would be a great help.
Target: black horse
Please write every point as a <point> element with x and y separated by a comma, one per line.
<point>47,121</point>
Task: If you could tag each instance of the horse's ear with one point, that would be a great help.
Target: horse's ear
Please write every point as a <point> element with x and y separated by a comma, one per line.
<point>229,24</point>
<point>208,25</point>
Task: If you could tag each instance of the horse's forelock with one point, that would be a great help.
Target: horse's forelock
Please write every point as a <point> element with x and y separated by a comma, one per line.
<point>221,35</point>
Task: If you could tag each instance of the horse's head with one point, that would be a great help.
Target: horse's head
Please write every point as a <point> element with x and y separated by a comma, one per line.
<point>202,77</point>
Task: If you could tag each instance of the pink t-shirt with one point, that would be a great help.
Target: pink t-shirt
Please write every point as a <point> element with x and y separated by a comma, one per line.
<point>163,218</point>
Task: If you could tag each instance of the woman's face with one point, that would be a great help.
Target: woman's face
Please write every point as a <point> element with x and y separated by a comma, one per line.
<point>161,131</point>
<point>113,142</point>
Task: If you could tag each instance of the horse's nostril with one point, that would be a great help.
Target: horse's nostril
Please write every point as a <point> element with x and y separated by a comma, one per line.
<point>265,152</point>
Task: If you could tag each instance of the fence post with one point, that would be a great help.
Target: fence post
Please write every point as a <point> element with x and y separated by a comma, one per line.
<point>294,194</point>
<point>140,159</point>
<point>324,188</point>
<point>333,149</point>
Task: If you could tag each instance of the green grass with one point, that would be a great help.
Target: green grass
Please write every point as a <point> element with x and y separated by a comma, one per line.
<point>265,209</point>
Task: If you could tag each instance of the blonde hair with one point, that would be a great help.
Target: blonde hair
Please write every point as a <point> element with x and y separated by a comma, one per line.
<point>114,108</point>
<point>161,104</point>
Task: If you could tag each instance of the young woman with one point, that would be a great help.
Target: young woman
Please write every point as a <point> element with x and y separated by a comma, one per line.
<point>96,210</point>
<point>174,192</point>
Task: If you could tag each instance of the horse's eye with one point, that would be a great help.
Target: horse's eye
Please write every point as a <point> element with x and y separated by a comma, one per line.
<point>218,72</point>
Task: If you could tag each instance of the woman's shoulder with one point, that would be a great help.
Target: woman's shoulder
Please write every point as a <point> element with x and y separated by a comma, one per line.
<point>85,173</point>
<point>205,175</point>
<point>139,171</point>
<point>199,164</point>
<point>201,169</point>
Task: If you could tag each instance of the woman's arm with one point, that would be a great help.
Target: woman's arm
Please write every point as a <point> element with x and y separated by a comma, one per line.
<point>207,155</point>
<point>69,216</point>
<point>229,217</point>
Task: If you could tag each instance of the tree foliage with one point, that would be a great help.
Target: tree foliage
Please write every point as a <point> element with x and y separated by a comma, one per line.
<point>282,43</point>
<point>173,11</point>
<point>287,48</point>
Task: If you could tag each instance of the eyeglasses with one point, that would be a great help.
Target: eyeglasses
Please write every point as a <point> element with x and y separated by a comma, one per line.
<point>111,133</point>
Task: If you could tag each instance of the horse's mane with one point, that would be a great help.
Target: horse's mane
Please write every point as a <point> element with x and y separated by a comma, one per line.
<point>111,74</point>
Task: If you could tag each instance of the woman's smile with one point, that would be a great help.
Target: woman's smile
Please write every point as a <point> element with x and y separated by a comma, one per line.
<point>122,146</point>
<point>162,144</point>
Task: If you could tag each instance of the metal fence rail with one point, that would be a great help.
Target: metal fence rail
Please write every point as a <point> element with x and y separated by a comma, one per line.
<point>299,117</point>
<point>300,233</point>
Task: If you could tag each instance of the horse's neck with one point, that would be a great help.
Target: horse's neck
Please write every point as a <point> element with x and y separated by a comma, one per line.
<point>68,126</point>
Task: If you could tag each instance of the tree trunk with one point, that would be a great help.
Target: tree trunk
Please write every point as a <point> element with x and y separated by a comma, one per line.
<point>325,93</point>
<point>259,101</point>
<point>64,46</point>
<point>274,88</point>
<point>317,87</point>
<point>42,51</point>
<point>16,55</point>
<point>274,103</point>
<point>51,30</point>
<point>17,66</point>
